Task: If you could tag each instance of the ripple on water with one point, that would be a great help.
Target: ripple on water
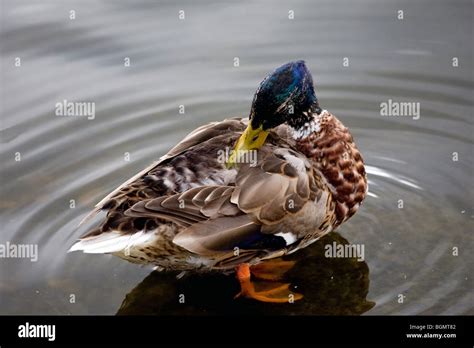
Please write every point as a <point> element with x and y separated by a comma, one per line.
<point>408,248</point>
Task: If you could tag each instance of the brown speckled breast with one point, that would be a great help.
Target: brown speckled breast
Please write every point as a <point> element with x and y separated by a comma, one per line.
<point>336,156</point>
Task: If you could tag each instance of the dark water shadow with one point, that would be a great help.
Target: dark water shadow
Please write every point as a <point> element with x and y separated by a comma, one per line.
<point>331,286</point>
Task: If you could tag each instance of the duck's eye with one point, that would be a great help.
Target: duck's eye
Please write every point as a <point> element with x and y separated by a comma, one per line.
<point>255,137</point>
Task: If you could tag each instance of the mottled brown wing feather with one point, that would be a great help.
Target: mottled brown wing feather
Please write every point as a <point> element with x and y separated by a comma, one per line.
<point>205,133</point>
<point>214,236</point>
<point>137,184</point>
<point>211,222</point>
<point>197,204</point>
<point>279,185</point>
<point>217,218</point>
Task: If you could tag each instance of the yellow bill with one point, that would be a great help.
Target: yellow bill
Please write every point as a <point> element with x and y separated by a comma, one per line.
<point>251,139</point>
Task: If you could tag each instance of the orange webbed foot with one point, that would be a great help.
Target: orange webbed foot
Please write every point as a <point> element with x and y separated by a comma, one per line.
<point>268,292</point>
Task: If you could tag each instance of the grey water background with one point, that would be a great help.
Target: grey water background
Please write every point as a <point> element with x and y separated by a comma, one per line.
<point>189,62</point>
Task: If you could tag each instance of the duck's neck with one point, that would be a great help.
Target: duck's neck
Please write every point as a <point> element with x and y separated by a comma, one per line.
<point>331,148</point>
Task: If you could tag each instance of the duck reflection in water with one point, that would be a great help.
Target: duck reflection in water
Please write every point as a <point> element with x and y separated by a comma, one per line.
<point>331,286</point>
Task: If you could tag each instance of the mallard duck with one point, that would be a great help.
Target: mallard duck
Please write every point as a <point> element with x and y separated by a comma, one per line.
<point>292,175</point>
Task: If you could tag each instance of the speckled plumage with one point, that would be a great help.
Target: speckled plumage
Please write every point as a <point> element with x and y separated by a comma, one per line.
<point>190,211</point>
<point>321,203</point>
<point>337,158</point>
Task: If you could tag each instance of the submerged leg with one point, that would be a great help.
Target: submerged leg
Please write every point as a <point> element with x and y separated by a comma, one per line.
<point>271,269</point>
<point>274,292</point>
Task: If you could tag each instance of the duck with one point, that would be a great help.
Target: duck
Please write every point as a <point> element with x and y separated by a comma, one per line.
<point>236,196</point>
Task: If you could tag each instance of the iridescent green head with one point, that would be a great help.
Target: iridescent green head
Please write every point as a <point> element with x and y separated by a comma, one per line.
<point>282,97</point>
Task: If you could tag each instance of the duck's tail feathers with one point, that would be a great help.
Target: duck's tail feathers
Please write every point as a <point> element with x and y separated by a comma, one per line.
<point>89,216</point>
<point>111,242</point>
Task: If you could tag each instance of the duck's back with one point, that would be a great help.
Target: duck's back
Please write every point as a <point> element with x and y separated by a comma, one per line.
<point>191,163</point>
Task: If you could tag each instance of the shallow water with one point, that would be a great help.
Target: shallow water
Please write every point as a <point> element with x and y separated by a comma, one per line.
<point>408,251</point>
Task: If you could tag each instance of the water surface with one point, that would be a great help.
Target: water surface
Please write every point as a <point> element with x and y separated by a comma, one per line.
<point>408,250</point>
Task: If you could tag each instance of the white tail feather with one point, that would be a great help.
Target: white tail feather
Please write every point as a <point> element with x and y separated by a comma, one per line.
<point>111,242</point>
